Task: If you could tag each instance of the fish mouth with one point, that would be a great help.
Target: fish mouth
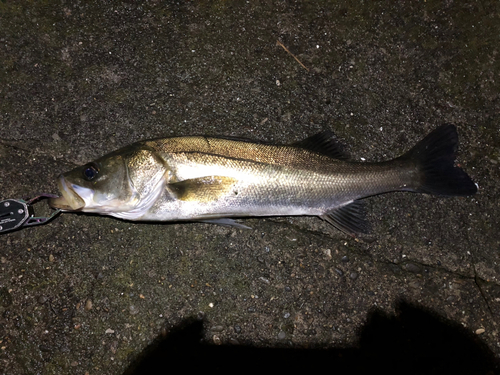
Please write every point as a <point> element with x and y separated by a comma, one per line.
<point>70,199</point>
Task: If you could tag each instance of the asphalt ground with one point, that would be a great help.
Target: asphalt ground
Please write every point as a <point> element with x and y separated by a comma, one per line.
<point>88,294</point>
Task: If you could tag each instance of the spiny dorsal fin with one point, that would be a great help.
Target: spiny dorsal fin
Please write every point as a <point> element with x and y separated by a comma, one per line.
<point>349,219</point>
<point>323,143</point>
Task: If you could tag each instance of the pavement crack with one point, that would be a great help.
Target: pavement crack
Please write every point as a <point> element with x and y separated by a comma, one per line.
<point>7,143</point>
<point>477,281</point>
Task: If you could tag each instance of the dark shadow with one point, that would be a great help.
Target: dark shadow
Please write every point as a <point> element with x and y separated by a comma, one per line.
<point>414,341</point>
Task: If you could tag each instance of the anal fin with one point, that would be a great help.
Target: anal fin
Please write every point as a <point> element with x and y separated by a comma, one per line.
<point>350,219</point>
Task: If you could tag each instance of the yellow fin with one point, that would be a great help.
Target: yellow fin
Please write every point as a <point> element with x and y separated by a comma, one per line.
<point>203,189</point>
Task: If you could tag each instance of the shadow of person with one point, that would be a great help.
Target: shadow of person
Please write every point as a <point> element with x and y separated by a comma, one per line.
<point>413,341</point>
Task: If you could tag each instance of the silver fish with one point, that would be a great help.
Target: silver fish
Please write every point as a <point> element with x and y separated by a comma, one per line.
<point>212,179</point>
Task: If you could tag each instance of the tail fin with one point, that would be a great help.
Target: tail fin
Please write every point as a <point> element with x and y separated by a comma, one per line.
<point>435,157</point>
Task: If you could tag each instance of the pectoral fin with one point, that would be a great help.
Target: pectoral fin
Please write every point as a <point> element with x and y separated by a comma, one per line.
<point>203,189</point>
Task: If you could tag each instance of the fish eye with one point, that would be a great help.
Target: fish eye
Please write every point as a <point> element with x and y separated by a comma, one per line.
<point>90,172</point>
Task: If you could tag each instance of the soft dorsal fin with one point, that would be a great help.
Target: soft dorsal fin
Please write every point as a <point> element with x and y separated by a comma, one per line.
<point>323,143</point>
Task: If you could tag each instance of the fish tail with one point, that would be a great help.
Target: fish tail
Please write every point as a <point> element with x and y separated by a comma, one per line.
<point>435,159</point>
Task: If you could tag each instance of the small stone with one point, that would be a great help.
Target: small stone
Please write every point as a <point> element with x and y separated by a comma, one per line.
<point>217,328</point>
<point>412,267</point>
<point>345,259</point>
<point>133,310</point>
<point>480,331</point>
<point>109,331</point>
<point>88,305</point>
<point>237,329</point>
<point>114,346</point>
<point>51,258</point>
<point>42,299</point>
<point>216,339</point>
<point>339,271</point>
<point>264,280</point>
<point>281,335</point>
<point>354,275</point>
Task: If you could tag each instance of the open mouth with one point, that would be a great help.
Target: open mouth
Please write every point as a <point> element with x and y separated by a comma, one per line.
<point>70,200</point>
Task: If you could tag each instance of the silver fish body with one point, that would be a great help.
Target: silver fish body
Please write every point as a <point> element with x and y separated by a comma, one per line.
<point>207,178</point>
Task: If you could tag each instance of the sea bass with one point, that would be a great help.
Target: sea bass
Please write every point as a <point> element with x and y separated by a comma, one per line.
<point>210,179</point>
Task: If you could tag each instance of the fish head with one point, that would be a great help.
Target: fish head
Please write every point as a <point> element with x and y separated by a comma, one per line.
<point>126,181</point>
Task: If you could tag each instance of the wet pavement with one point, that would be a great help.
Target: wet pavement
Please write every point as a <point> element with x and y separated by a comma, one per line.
<point>87,294</point>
